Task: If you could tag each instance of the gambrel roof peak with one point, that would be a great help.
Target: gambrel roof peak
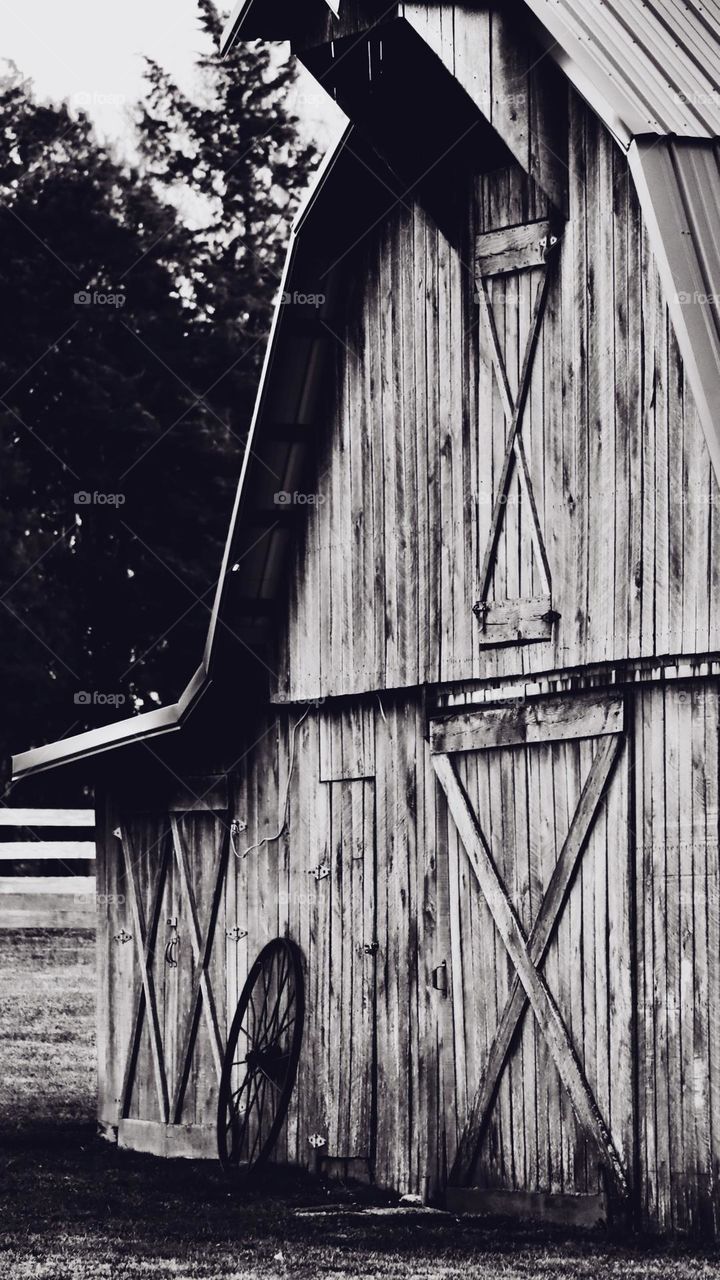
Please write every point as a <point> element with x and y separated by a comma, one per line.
<point>646,66</point>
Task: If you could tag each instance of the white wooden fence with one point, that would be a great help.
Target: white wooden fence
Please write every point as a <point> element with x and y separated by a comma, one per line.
<point>52,901</point>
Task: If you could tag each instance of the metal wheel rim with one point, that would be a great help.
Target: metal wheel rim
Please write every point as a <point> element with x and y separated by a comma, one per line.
<point>261,1058</point>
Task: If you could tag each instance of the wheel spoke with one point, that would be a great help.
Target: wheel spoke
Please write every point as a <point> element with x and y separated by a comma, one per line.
<point>270,1080</point>
<point>276,1011</point>
<point>257,1079</point>
<point>285,1026</point>
<point>266,1000</point>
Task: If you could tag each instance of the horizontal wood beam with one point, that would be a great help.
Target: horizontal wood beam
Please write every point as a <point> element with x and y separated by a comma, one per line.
<point>47,902</point>
<point>47,817</point>
<point>515,248</point>
<point>515,621</point>
<point>553,719</point>
<point>186,1141</point>
<point>44,850</point>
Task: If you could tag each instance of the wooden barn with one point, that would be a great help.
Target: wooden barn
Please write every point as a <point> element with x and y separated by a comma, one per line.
<point>455,735</point>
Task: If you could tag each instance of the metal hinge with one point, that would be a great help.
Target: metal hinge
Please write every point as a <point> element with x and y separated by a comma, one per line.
<point>317,1140</point>
<point>371,948</point>
<point>236,934</point>
<point>320,872</point>
<point>122,937</point>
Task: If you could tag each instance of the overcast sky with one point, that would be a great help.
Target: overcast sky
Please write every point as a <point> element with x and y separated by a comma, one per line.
<point>91,52</point>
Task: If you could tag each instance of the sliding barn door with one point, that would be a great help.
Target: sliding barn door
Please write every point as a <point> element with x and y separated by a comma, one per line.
<point>540,889</point>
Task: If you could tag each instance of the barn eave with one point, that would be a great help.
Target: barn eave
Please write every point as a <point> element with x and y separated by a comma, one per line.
<point>122,733</point>
<point>173,717</point>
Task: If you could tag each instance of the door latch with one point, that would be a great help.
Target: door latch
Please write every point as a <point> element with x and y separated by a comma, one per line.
<point>439,978</point>
<point>173,945</point>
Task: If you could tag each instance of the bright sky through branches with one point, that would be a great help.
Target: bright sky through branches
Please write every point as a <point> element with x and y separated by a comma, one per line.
<point>91,53</point>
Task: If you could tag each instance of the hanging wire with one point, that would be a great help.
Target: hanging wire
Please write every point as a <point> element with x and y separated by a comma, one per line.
<point>283,825</point>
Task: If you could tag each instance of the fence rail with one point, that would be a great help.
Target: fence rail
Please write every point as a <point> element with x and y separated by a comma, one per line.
<point>52,900</point>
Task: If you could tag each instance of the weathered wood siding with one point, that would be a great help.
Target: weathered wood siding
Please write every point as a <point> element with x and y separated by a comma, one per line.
<point>384,571</point>
<point>360,792</point>
<point>371,1063</point>
<point>678,945</point>
<point>525,799</point>
<point>389,1062</point>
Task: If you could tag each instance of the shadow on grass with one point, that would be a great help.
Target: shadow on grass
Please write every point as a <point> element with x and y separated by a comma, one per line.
<point>75,1207</point>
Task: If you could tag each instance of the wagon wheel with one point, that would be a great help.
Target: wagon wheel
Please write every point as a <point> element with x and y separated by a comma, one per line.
<point>261,1058</point>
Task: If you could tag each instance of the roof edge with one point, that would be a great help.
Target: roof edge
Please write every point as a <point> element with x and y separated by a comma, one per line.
<point>82,746</point>
<point>233,26</point>
<point>658,165</point>
<point>169,719</point>
<point>303,214</point>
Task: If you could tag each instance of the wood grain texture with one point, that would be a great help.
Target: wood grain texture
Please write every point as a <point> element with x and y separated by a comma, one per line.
<point>384,573</point>
<point>512,248</point>
<point>544,1007</point>
<point>547,720</point>
<point>539,937</point>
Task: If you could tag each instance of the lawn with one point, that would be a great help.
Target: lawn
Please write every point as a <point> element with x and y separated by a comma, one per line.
<point>74,1208</point>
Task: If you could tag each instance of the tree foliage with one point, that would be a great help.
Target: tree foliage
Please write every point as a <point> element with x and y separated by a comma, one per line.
<point>136,306</point>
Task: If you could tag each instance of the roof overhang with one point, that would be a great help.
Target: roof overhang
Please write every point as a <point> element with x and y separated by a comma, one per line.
<point>678,186</point>
<point>123,733</point>
<point>169,719</point>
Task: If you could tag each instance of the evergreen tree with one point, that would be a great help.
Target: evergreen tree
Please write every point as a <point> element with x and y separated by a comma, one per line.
<point>136,305</point>
<point>236,149</point>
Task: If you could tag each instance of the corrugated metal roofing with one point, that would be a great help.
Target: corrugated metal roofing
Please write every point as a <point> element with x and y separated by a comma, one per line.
<point>678,183</point>
<point>656,63</point>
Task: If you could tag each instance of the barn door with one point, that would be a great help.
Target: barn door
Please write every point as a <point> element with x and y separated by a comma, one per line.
<point>514,268</point>
<point>174,871</point>
<point>344,961</point>
<point>540,876</point>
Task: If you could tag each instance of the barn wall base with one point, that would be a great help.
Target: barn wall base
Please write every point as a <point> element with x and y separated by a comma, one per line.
<point>566,1210</point>
<point>184,1141</point>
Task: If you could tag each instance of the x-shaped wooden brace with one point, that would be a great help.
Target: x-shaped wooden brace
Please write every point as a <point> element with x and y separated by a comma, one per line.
<point>526,954</point>
<point>202,992</point>
<point>146,999</point>
<point>514,452</point>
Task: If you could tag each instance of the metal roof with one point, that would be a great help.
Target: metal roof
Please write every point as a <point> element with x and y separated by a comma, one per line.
<point>646,66</point>
<point>678,184</point>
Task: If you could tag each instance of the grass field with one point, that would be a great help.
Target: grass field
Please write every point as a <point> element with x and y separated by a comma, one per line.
<point>74,1208</point>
